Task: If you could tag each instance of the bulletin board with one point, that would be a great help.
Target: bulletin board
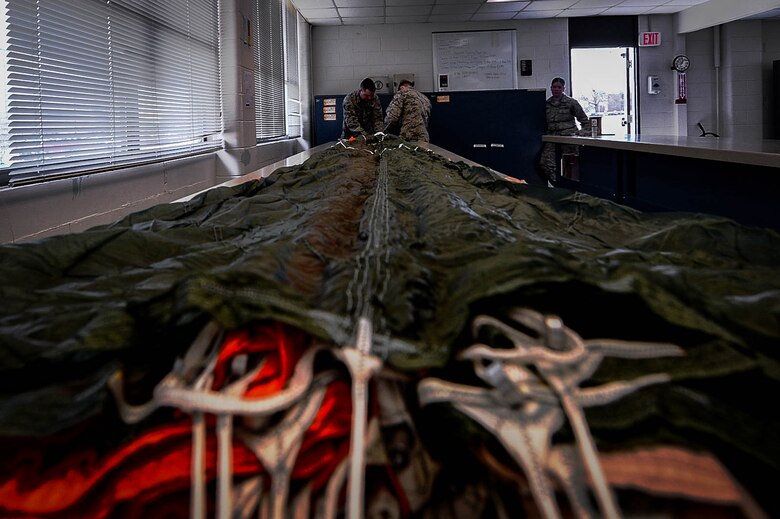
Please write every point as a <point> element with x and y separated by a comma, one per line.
<point>475,60</point>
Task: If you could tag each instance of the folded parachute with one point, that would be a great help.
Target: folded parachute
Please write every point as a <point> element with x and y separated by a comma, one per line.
<point>420,246</point>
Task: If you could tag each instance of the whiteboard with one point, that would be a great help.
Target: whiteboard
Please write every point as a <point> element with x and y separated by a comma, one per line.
<point>475,60</point>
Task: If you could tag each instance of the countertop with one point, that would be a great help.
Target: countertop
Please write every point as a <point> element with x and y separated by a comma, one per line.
<point>741,151</point>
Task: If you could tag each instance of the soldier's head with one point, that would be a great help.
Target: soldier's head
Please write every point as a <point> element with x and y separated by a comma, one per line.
<point>556,86</point>
<point>405,84</point>
<point>367,89</point>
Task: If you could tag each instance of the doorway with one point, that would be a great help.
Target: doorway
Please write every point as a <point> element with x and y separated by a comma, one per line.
<point>603,80</point>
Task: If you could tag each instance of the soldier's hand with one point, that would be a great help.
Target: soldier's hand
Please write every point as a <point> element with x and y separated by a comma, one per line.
<point>370,139</point>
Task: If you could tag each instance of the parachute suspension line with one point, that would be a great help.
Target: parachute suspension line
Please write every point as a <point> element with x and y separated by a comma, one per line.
<point>369,284</point>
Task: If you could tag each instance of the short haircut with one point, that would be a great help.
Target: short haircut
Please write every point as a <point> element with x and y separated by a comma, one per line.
<point>558,80</point>
<point>405,82</point>
<point>368,84</point>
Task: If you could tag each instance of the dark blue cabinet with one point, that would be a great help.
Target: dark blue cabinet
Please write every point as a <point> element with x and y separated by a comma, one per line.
<point>499,129</point>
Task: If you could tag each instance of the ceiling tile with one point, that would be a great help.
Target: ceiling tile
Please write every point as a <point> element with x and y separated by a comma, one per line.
<point>319,13</point>
<point>667,9</point>
<point>314,4</point>
<point>371,20</point>
<point>323,12</point>
<point>639,3</point>
<point>594,11</point>
<point>324,21</point>
<point>537,14</point>
<point>502,7</point>
<point>361,12</point>
<point>626,11</point>
<point>482,17</point>
<point>359,3</point>
<point>408,10</point>
<point>582,4</point>
<point>409,2</point>
<point>685,2</point>
<point>436,18</point>
<point>406,19</point>
<point>550,5</point>
<point>455,9</point>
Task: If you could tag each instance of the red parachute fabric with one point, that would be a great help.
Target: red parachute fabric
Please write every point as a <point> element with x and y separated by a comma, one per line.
<point>150,475</point>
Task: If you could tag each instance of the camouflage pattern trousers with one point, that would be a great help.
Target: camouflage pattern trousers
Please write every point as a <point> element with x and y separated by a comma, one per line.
<point>547,159</point>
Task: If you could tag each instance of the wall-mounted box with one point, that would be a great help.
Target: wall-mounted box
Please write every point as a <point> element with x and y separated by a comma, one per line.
<point>397,78</point>
<point>653,85</point>
<point>383,85</point>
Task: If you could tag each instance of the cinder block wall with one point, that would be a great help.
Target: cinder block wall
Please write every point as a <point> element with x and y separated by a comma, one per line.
<point>343,55</point>
<point>741,51</point>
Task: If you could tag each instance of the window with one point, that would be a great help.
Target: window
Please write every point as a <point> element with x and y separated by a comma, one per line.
<point>268,34</point>
<point>292,74</point>
<point>97,84</point>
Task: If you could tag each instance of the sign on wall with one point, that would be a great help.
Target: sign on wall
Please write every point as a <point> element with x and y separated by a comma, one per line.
<point>475,60</point>
<point>649,39</point>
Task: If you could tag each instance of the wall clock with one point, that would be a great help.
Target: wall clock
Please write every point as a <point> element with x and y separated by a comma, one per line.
<point>681,63</point>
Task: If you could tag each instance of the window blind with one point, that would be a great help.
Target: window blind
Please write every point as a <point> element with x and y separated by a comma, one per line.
<point>270,97</point>
<point>97,84</point>
<point>291,72</point>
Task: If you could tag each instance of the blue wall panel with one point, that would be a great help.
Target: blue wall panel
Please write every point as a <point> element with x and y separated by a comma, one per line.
<point>500,129</point>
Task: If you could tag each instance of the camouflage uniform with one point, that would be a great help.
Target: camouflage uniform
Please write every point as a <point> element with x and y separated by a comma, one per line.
<point>361,117</point>
<point>561,121</point>
<point>410,109</point>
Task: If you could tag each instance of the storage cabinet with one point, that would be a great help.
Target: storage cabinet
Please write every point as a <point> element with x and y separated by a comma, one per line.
<point>499,129</point>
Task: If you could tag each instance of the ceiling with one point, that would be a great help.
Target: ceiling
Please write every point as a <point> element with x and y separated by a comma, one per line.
<point>369,12</point>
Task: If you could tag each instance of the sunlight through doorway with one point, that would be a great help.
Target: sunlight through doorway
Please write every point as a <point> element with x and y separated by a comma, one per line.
<point>604,82</point>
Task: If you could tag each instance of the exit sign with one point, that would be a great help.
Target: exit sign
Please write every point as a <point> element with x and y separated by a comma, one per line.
<point>649,39</point>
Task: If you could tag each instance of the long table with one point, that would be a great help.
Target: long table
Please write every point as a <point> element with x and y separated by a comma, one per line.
<point>739,179</point>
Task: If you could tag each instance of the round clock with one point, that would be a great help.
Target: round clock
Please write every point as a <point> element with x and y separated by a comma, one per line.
<point>681,63</point>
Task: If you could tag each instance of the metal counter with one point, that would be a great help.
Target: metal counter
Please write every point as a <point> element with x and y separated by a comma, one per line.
<point>736,178</point>
<point>741,151</point>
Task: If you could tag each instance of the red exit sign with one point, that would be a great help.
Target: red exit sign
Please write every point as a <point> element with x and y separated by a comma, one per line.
<point>649,39</point>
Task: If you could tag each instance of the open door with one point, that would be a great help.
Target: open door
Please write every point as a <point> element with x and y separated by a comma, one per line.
<point>603,80</point>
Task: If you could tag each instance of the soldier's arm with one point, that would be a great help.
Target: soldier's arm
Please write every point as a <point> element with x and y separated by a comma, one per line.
<point>581,116</point>
<point>351,119</point>
<point>393,113</point>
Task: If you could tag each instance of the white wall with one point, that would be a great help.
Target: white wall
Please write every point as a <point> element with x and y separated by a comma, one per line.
<point>720,12</point>
<point>702,82</point>
<point>305,78</point>
<point>76,204</point>
<point>658,113</point>
<point>343,55</point>
<point>742,113</point>
<point>742,83</point>
<point>71,205</point>
<point>770,30</point>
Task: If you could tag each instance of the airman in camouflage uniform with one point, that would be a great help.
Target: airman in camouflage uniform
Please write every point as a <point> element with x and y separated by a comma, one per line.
<point>409,110</point>
<point>561,111</point>
<point>362,112</point>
